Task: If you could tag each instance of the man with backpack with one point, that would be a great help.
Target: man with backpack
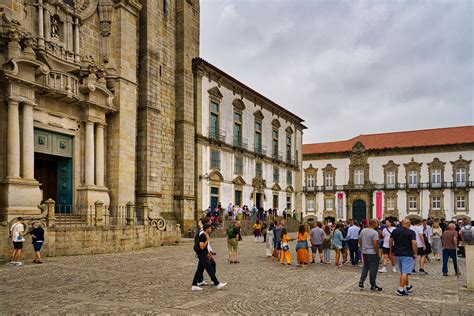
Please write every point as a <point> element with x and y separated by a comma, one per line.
<point>467,232</point>
<point>203,254</point>
<point>212,254</point>
<point>233,238</point>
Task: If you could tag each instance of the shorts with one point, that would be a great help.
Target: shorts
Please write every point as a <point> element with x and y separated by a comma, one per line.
<point>18,245</point>
<point>405,264</point>
<point>421,252</point>
<point>385,251</point>
<point>232,244</point>
<point>344,244</point>
<point>315,248</point>
<point>37,246</point>
<point>278,245</point>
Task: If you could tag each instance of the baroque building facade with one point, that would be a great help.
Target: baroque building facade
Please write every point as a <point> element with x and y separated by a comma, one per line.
<point>97,104</point>
<point>248,148</point>
<point>425,173</point>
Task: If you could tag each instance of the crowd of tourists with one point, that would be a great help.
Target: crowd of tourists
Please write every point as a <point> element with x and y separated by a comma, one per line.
<point>374,245</point>
<point>237,213</point>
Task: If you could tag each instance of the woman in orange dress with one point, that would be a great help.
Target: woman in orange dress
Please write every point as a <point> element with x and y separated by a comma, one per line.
<point>302,254</point>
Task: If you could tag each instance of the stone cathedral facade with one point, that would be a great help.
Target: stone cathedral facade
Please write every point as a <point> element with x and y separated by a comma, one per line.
<point>97,104</point>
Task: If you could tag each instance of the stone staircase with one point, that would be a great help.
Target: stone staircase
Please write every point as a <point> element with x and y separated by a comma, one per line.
<point>70,220</point>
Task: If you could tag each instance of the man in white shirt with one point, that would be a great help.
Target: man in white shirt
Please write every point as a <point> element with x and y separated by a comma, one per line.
<point>16,235</point>
<point>420,241</point>
<point>353,239</point>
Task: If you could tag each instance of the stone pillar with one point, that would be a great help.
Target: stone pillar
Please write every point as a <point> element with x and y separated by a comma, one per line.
<point>13,145</point>
<point>469,248</point>
<point>99,213</point>
<point>50,204</point>
<point>130,213</point>
<point>77,58</point>
<point>145,212</point>
<point>99,155</point>
<point>47,28</point>
<point>28,142</point>
<point>89,154</point>
<point>40,24</point>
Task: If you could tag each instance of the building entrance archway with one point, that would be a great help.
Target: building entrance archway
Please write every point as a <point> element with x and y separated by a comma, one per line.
<point>359,210</point>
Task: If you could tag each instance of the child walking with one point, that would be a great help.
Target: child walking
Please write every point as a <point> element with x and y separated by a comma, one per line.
<point>285,248</point>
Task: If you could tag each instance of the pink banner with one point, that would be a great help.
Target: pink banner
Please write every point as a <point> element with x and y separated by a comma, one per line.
<point>378,205</point>
<point>340,196</point>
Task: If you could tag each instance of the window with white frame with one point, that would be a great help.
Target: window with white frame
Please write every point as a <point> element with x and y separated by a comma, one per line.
<point>412,203</point>
<point>329,181</point>
<point>436,203</point>
<point>239,165</point>
<point>436,177</point>
<point>215,159</point>
<point>461,176</point>
<point>329,204</point>
<point>310,181</point>
<point>390,179</point>
<point>276,174</point>
<point>359,177</point>
<point>460,202</point>
<point>310,205</point>
<point>390,203</point>
<point>258,169</point>
<point>413,178</point>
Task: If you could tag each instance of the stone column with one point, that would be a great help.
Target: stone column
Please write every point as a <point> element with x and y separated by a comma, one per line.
<point>47,26</point>
<point>89,154</point>
<point>469,248</point>
<point>40,24</point>
<point>28,142</point>
<point>13,145</point>
<point>76,40</point>
<point>99,155</point>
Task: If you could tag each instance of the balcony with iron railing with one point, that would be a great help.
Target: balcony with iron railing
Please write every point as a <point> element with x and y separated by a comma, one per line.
<point>277,155</point>
<point>240,142</point>
<point>260,150</point>
<point>217,134</point>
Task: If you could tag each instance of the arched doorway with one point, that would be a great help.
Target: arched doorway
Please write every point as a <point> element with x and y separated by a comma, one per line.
<point>359,210</point>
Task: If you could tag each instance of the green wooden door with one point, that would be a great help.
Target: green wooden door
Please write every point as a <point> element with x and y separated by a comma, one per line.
<point>64,174</point>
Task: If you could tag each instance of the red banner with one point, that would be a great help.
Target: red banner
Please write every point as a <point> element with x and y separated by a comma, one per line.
<point>378,205</point>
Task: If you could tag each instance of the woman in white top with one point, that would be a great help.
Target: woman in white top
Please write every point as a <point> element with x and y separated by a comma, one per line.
<point>269,242</point>
<point>387,253</point>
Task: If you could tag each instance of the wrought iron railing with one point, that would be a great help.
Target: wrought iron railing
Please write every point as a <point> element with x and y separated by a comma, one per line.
<point>217,134</point>
<point>240,142</point>
<point>261,150</point>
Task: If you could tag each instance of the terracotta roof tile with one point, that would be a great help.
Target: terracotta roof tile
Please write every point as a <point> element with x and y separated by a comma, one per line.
<point>420,138</point>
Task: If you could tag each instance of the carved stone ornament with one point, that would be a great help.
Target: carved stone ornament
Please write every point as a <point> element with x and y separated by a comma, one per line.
<point>85,8</point>
<point>156,220</point>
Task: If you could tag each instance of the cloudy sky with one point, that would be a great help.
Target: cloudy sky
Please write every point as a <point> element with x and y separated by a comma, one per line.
<point>349,67</point>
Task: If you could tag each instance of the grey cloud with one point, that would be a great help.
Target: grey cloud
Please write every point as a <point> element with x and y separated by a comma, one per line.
<point>349,67</point>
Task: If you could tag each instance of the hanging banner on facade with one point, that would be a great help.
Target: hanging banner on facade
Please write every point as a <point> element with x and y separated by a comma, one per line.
<point>378,204</point>
<point>340,196</point>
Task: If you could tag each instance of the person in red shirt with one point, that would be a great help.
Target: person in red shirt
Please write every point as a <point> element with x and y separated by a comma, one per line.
<point>450,243</point>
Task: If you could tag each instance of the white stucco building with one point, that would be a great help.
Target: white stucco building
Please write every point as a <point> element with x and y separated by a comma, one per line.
<point>425,173</point>
<point>248,148</point>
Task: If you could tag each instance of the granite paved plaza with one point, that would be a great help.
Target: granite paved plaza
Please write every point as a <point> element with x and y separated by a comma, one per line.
<point>158,280</point>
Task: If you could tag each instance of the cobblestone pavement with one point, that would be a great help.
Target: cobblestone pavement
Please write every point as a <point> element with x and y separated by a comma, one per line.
<point>158,280</point>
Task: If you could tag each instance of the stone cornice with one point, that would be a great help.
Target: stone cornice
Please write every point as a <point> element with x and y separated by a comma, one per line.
<point>394,152</point>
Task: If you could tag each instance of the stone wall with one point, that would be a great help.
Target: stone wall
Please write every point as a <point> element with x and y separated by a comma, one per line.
<point>91,240</point>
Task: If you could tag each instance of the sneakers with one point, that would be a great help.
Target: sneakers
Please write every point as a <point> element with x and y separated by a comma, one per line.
<point>18,264</point>
<point>196,288</point>
<point>422,271</point>
<point>401,293</point>
<point>221,285</point>
<point>383,270</point>
<point>413,272</point>
<point>202,283</point>
<point>409,288</point>
<point>361,285</point>
<point>375,288</point>
<point>394,269</point>
<point>445,274</point>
